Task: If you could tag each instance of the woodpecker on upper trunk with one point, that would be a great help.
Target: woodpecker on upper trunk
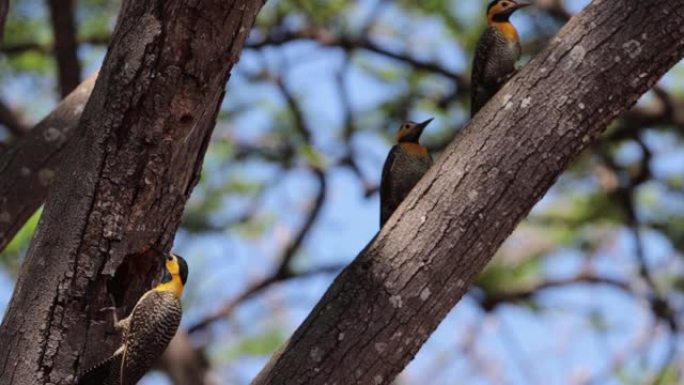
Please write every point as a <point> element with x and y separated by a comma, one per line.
<point>406,163</point>
<point>497,51</point>
<point>146,332</point>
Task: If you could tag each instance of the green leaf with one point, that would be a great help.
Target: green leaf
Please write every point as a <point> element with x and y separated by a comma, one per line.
<point>312,156</point>
<point>259,345</point>
<point>10,258</point>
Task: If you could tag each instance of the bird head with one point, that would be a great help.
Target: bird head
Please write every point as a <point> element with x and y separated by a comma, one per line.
<point>411,131</point>
<point>175,267</point>
<point>499,11</point>
<point>175,274</point>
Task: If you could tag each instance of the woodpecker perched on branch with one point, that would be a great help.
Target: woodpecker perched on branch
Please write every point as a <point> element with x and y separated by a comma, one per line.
<point>406,163</point>
<point>146,332</point>
<point>497,51</point>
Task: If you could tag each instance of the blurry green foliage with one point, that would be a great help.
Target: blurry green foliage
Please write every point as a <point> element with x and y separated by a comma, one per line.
<point>502,277</point>
<point>576,210</point>
<point>11,257</point>
<point>32,61</point>
<point>259,345</point>
<point>21,29</point>
<point>95,17</point>
<point>312,156</point>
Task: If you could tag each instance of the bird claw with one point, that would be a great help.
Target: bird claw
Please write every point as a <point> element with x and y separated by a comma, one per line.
<point>504,79</point>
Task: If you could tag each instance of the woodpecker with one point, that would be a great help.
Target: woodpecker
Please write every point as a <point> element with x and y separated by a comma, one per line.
<point>146,332</point>
<point>406,163</point>
<point>496,53</point>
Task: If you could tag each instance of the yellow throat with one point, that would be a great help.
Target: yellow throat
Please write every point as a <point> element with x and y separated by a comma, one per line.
<point>175,284</point>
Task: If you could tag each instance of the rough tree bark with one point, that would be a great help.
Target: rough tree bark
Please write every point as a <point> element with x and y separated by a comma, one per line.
<point>122,188</point>
<point>28,167</point>
<point>382,308</point>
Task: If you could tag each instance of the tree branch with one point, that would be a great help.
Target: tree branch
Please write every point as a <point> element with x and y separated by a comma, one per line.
<point>22,47</point>
<point>4,8</point>
<point>66,46</point>
<point>256,288</point>
<point>348,43</point>
<point>490,302</point>
<point>294,106</point>
<point>383,306</point>
<point>284,270</point>
<point>28,167</point>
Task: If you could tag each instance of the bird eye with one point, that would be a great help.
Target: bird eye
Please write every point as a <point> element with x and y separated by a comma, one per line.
<point>505,4</point>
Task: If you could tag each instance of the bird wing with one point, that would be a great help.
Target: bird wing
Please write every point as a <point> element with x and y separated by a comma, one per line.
<point>153,323</point>
<point>481,64</point>
<point>490,39</point>
<point>385,185</point>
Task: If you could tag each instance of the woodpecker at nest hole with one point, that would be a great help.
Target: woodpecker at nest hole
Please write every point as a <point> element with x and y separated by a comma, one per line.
<point>146,332</point>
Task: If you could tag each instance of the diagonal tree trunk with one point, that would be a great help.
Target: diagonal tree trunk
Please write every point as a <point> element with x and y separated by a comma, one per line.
<point>133,163</point>
<point>382,308</point>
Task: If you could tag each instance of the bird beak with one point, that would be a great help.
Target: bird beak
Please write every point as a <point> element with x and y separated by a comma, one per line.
<point>425,123</point>
<point>421,126</point>
<point>521,5</point>
<point>163,257</point>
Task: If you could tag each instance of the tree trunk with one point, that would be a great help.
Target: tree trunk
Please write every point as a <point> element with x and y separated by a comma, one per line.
<point>122,187</point>
<point>383,307</point>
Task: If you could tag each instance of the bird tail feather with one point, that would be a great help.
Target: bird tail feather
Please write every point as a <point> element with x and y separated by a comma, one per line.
<point>104,373</point>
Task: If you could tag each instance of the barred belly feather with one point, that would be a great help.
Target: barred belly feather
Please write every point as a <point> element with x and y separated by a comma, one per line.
<point>153,324</point>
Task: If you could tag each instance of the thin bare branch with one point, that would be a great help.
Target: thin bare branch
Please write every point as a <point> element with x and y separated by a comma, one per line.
<point>284,270</point>
<point>347,43</point>
<point>46,49</point>
<point>491,302</point>
<point>296,109</point>
<point>257,288</point>
<point>4,9</point>
<point>66,46</point>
